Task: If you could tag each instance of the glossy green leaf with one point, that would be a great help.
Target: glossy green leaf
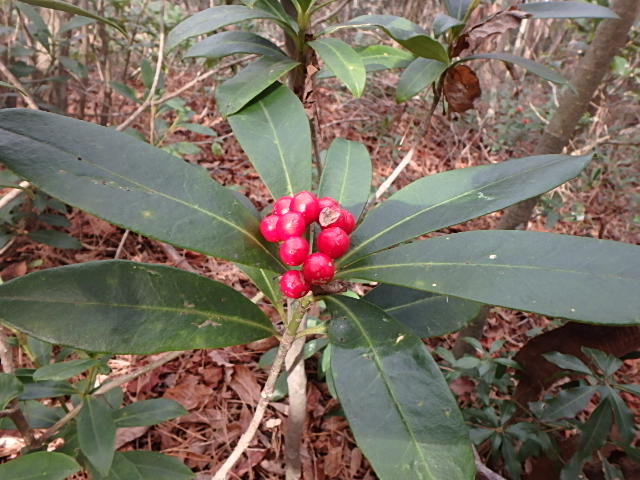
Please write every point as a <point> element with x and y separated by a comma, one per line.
<point>148,412</point>
<point>267,282</point>
<point>235,93</point>
<point>212,19</point>
<point>595,431</point>
<point>132,184</point>
<point>399,406</point>
<point>64,370</point>
<point>630,388</point>
<point>39,466</point>
<point>75,22</point>
<point>97,434</point>
<point>346,175</point>
<point>421,73</point>
<point>47,389</point>
<point>567,362</point>
<point>403,31</point>
<point>55,239</point>
<point>126,307</point>
<point>343,61</point>
<point>443,23</point>
<point>70,8</point>
<point>275,8</point>
<point>384,57</point>
<point>584,279</point>
<point>10,388</point>
<point>143,465</point>
<point>458,8</point>
<point>603,360</point>
<point>274,132</point>
<point>425,314</point>
<point>234,42</point>
<point>567,10</point>
<point>529,65</point>
<point>625,420</point>
<point>452,197</point>
<point>568,403</point>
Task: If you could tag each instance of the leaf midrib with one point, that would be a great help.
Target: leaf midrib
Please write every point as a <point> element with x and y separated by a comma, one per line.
<point>279,147</point>
<point>336,52</point>
<point>151,190</point>
<point>387,383</point>
<point>486,265</point>
<point>151,308</point>
<point>444,202</point>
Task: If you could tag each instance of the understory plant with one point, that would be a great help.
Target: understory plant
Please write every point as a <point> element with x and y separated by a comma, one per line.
<point>397,402</point>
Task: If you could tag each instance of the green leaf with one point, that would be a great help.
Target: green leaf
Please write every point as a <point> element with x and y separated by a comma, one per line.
<point>532,271</point>
<point>126,307</point>
<point>443,23</point>
<point>346,175</point>
<point>452,197</point>
<point>212,19</point>
<point>403,31</point>
<point>39,466</point>
<point>567,362</point>
<point>142,465</point>
<point>399,406</point>
<point>97,434</point>
<point>425,314</point>
<point>148,412</point>
<point>13,87</point>
<point>93,168</point>
<point>55,239</point>
<point>421,73</point>
<point>625,420</point>
<point>234,42</point>
<point>47,389</point>
<point>595,431</point>
<point>568,403</point>
<point>275,8</point>
<point>76,22</point>
<point>64,370</point>
<point>384,57</point>
<point>55,220</point>
<point>610,471</point>
<point>529,65</point>
<point>235,93</point>
<point>10,388</point>
<point>567,10</point>
<point>458,8</point>
<point>604,361</point>
<point>125,90</point>
<point>274,132</point>
<point>267,282</point>
<point>630,388</point>
<point>343,61</point>
<point>197,128</point>
<point>70,8</point>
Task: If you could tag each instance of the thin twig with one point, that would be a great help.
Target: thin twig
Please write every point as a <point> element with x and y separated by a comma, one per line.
<point>329,14</point>
<point>483,469</point>
<point>154,85</point>
<point>13,194</point>
<point>16,83</point>
<point>176,258</point>
<point>265,396</point>
<point>121,245</point>
<point>399,168</point>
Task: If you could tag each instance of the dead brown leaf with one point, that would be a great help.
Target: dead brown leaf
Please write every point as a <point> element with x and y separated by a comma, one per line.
<point>461,88</point>
<point>13,270</point>
<point>128,434</point>
<point>189,393</point>
<point>244,383</point>
<point>497,24</point>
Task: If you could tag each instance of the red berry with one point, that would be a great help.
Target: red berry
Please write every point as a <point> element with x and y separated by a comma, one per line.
<point>294,251</point>
<point>268,228</point>
<point>293,285</point>
<point>307,204</point>
<point>327,202</point>
<point>318,268</point>
<point>333,241</point>
<point>282,205</point>
<point>343,219</point>
<point>291,224</point>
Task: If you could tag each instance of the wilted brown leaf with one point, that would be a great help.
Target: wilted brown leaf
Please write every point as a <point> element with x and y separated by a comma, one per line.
<point>497,24</point>
<point>245,385</point>
<point>189,393</point>
<point>13,270</point>
<point>128,434</point>
<point>461,88</point>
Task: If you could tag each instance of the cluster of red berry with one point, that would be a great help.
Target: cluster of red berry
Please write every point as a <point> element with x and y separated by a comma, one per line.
<point>288,223</point>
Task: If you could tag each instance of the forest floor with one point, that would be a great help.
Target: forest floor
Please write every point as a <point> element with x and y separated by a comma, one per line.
<point>220,388</point>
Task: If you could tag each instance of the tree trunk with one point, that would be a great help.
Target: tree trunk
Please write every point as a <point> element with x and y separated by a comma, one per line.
<point>611,35</point>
